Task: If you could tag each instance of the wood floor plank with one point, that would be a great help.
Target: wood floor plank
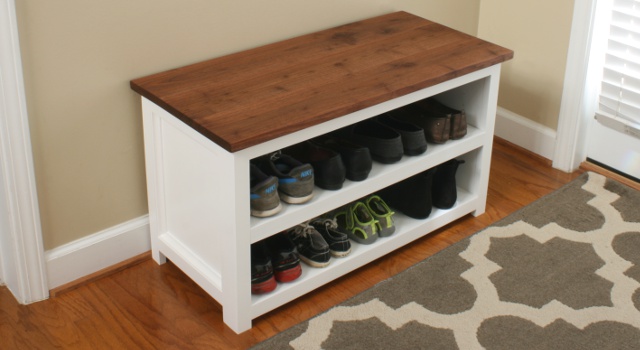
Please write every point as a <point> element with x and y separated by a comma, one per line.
<point>147,306</point>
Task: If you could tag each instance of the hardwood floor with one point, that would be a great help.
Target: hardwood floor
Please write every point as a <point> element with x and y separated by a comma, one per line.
<point>147,306</point>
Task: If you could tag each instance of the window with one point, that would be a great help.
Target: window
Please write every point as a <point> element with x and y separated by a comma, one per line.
<point>620,91</point>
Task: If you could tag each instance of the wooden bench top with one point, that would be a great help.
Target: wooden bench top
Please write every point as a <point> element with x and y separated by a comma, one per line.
<point>246,98</point>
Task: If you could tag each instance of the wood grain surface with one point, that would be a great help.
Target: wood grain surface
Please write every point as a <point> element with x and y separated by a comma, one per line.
<point>244,99</point>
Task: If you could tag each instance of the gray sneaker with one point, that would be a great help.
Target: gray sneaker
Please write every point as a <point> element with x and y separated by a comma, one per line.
<point>295,179</point>
<point>264,193</point>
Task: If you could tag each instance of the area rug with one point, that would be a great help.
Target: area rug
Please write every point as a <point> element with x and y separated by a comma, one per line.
<point>561,273</point>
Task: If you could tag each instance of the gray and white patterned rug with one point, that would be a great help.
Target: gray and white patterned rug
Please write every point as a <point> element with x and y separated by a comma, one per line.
<point>561,273</point>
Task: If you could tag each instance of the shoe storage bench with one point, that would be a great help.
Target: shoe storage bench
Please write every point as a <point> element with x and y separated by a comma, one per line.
<point>204,122</point>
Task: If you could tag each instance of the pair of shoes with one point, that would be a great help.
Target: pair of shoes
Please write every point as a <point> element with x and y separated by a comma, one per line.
<point>444,193</point>
<point>356,158</point>
<point>412,196</point>
<point>312,248</point>
<point>384,143</point>
<point>329,169</point>
<point>413,139</point>
<point>436,126</point>
<point>273,259</point>
<point>338,242</point>
<point>364,221</point>
<point>417,195</point>
<point>295,179</point>
<point>458,118</point>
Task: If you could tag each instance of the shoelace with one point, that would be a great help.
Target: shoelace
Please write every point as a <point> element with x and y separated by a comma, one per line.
<point>304,229</point>
<point>275,155</point>
<point>331,223</point>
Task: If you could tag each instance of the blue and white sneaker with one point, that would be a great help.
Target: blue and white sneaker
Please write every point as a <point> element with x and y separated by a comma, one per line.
<point>295,179</point>
<point>264,193</point>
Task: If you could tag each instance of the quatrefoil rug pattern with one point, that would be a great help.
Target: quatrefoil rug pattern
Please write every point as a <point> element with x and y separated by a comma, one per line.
<point>562,273</point>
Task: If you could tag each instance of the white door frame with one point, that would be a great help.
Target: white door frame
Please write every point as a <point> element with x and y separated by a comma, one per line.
<point>22,250</point>
<point>579,96</point>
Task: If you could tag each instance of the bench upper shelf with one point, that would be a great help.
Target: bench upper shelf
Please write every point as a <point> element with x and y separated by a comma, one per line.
<point>250,97</point>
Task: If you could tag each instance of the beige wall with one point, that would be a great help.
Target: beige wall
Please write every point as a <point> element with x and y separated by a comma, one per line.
<point>79,56</point>
<point>538,32</point>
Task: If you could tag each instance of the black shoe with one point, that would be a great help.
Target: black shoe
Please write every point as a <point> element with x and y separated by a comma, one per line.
<point>356,158</point>
<point>338,242</point>
<point>284,258</point>
<point>444,193</point>
<point>312,248</point>
<point>411,196</point>
<point>413,139</point>
<point>262,277</point>
<point>384,143</point>
<point>329,170</point>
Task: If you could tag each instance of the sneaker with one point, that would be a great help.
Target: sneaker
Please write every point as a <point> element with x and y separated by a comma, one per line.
<point>284,258</point>
<point>358,222</point>
<point>328,169</point>
<point>312,248</point>
<point>380,210</point>
<point>264,193</point>
<point>262,277</point>
<point>338,242</point>
<point>295,179</point>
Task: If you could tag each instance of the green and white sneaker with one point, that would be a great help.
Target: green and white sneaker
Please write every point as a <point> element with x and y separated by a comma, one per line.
<point>357,221</point>
<point>380,210</point>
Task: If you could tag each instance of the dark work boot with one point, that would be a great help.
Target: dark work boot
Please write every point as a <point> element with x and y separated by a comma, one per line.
<point>411,196</point>
<point>444,193</point>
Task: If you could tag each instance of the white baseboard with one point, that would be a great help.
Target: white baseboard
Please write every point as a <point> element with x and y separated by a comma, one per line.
<point>93,253</point>
<point>525,133</point>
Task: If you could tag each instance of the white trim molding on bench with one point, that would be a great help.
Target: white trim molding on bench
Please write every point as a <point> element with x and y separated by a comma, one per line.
<point>98,251</point>
<point>525,133</point>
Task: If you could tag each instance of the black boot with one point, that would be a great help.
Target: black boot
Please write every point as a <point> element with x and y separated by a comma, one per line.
<point>443,192</point>
<point>411,196</point>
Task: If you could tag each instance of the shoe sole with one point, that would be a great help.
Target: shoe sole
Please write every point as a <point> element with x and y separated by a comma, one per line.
<point>295,200</point>
<point>386,232</point>
<point>264,287</point>
<point>386,159</point>
<point>314,263</point>
<point>340,253</point>
<point>330,187</point>
<point>266,213</point>
<point>357,176</point>
<point>415,151</point>
<point>367,241</point>
<point>289,275</point>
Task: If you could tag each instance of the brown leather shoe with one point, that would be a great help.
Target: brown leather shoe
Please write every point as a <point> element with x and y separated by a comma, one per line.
<point>436,126</point>
<point>458,118</point>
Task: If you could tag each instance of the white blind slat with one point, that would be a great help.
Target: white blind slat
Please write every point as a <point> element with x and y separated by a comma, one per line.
<point>620,92</point>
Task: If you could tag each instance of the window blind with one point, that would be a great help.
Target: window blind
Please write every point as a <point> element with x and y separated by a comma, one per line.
<point>620,90</point>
